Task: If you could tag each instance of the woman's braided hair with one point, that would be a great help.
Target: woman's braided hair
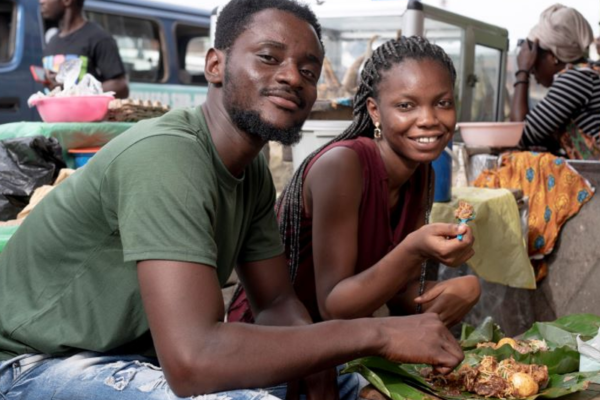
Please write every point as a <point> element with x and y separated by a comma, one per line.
<point>393,52</point>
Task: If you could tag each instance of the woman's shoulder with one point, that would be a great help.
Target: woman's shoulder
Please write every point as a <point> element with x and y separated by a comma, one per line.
<point>578,76</point>
<point>345,155</point>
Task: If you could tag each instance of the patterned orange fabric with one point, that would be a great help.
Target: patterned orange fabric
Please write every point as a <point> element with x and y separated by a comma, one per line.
<point>556,193</point>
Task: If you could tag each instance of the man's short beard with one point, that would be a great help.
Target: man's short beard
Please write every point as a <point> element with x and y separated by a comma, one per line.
<point>252,123</point>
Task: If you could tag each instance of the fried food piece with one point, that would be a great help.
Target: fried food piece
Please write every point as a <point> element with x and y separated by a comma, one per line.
<point>510,341</point>
<point>464,211</point>
<point>522,346</point>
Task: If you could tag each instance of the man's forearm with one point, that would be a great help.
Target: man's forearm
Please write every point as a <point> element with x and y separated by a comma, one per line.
<point>223,362</point>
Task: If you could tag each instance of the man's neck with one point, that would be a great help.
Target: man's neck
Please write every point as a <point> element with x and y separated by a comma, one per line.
<point>236,149</point>
<point>71,22</point>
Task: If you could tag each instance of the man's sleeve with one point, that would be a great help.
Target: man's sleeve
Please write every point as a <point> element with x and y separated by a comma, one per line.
<point>162,191</point>
<point>263,240</point>
<point>108,60</point>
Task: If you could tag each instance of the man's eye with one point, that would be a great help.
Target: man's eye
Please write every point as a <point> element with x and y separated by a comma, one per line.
<point>268,58</point>
<point>309,74</point>
<point>446,103</point>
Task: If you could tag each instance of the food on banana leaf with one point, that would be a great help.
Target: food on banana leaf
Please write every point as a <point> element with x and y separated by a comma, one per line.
<point>490,378</point>
<point>522,346</point>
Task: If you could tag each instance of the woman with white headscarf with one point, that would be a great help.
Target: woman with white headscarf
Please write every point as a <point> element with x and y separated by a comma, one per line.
<point>568,118</point>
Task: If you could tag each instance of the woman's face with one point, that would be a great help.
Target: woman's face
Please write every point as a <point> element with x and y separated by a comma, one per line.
<point>415,109</point>
<point>545,68</point>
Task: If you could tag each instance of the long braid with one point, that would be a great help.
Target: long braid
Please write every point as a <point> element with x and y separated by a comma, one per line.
<point>289,205</point>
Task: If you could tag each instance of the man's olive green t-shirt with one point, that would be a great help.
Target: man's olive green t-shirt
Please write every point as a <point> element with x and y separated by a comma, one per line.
<point>68,278</point>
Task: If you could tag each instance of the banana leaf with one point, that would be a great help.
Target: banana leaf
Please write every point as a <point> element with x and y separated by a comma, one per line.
<point>486,331</point>
<point>387,383</point>
<point>563,331</point>
<point>395,381</point>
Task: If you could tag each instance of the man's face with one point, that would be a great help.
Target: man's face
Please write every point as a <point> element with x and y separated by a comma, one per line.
<point>271,76</point>
<point>52,10</point>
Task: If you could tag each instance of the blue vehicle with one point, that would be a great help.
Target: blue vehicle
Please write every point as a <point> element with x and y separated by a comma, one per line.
<point>162,47</point>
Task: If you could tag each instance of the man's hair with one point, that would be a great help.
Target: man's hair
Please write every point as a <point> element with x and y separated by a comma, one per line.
<point>391,53</point>
<point>237,15</point>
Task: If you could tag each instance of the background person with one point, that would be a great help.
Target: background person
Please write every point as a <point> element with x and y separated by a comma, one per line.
<point>124,260</point>
<point>79,38</point>
<point>568,117</point>
<point>354,216</point>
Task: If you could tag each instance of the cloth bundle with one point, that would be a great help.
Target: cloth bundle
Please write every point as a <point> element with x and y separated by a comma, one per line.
<point>556,193</point>
<point>563,31</point>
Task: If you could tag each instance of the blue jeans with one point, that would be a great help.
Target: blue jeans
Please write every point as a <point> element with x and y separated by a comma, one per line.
<point>94,376</point>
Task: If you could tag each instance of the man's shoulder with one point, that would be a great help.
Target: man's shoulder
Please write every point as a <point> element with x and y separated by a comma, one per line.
<point>96,31</point>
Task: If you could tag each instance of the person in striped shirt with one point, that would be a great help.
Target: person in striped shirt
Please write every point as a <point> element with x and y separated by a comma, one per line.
<point>567,120</point>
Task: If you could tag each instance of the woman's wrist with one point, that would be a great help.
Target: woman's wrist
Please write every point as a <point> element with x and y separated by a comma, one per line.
<point>522,73</point>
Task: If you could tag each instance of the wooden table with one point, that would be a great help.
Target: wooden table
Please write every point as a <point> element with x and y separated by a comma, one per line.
<point>593,393</point>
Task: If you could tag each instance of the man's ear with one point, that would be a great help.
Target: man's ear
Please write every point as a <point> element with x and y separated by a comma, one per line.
<point>214,67</point>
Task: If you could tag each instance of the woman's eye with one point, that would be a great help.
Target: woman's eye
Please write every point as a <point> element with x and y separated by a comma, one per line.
<point>446,103</point>
<point>405,106</point>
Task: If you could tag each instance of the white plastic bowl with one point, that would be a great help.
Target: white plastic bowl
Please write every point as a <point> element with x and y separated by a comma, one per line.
<point>491,134</point>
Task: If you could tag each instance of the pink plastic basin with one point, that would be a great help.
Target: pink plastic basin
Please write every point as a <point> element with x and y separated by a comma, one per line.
<point>491,134</point>
<point>73,108</point>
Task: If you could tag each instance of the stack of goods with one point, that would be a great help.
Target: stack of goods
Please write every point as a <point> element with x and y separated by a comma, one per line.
<point>130,110</point>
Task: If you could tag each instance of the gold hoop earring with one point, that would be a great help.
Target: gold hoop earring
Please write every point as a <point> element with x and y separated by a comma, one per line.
<point>377,131</point>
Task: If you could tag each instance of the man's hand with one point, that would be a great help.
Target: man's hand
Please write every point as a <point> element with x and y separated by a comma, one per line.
<point>451,299</point>
<point>438,242</point>
<point>420,339</point>
<point>51,78</point>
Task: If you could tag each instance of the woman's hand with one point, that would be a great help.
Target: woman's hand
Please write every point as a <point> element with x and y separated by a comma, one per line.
<point>451,299</point>
<point>438,242</point>
<point>527,55</point>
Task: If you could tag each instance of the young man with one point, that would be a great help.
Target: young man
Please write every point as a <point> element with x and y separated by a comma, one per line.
<point>79,38</point>
<point>127,256</point>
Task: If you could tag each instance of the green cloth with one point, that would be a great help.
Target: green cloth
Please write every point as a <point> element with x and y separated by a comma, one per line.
<point>68,279</point>
<point>75,135</point>
<point>500,250</point>
<point>5,233</point>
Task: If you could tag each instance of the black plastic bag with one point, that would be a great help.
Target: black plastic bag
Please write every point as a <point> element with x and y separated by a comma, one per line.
<point>26,163</point>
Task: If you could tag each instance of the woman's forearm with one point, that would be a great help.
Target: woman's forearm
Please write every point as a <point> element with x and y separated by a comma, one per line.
<point>519,106</point>
<point>375,285</point>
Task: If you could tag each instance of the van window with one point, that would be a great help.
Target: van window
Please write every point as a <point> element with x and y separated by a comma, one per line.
<point>192,44</point>
<point>139,45</point>
<point>487,71</point>
<point>8,17</point>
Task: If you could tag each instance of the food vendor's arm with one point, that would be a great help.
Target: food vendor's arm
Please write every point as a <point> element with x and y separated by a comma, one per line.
<point>118,85</point>
<point>519,107</point>
<point>332,193</point>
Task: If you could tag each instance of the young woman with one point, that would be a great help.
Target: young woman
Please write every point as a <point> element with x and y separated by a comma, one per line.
<point>354,216</point>
<point>568,117</point>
